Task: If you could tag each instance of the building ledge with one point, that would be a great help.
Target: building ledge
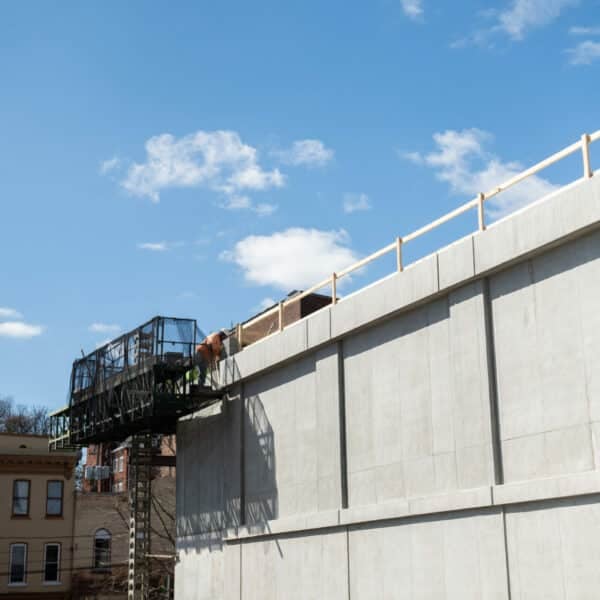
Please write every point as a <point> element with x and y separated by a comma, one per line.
<point>487,497</point>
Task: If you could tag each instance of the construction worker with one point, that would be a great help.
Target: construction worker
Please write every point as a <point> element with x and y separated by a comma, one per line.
<point>208,353</point>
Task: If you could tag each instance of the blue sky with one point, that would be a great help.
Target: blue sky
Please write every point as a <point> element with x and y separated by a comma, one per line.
<point>197,159</point>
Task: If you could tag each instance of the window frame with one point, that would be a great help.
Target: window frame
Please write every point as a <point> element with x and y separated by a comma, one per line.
<point>61,498</point>
<point>10,563</point>
<point>56,581</point>
<point>96,567</point>
<point>15,497</point>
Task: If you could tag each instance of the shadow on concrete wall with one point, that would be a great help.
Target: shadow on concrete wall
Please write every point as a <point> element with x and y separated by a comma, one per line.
<point>260,483</point>
<point>210,497</point>
<point>217,473</point>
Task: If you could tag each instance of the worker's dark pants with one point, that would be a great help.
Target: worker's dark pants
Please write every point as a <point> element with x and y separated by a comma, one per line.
<point>203,368</point>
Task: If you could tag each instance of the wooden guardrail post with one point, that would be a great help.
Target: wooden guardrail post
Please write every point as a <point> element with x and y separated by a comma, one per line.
<point>399,264</point>
<point>480,213</point>
<point>334,288</point>
<point>585,150</point>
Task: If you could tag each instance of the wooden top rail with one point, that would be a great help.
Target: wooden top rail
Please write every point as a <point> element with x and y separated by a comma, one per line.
<point>478,202</point>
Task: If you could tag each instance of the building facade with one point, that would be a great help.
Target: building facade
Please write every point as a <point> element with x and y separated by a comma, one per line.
<point>37,488</point>
<point>101,539</point>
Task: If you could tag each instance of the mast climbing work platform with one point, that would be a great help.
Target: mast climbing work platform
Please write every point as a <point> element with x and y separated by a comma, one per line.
<point>138,385</point>
<point>143,380</point>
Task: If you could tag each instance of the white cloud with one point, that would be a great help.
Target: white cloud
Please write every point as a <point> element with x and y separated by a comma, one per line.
<point>292,259</point>
<point>356,202</point>
<point>516,20</point>
<point>104,328</point>
<point>461,160</point>
<point>584,30</point>
<point>13,326</point>
<point>244,203</point>
<point>584,53</point>
<point>237,203</point>
<point>528,14</point>
<point>412,8</point>
<point>9,313</point>
<point>311,153</point>
<point>154,246</point>
<point>19,329</point>
<point>216,160</point>
<point>159,246</point>
<point>264,209</point>
<point>109,165</point>
<point>254,178</point>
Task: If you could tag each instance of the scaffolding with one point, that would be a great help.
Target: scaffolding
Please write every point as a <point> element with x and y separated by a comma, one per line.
<point>138,385</point>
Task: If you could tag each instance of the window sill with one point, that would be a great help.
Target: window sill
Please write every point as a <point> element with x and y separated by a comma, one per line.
<point>20,517</point>
<point>22,584</point>
<point>54,517</point>
<point>51,583</point>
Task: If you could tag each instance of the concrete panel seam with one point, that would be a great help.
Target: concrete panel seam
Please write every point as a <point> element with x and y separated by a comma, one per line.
<point>492,375</point>
<point>506,559</point>
<point>342,424</point>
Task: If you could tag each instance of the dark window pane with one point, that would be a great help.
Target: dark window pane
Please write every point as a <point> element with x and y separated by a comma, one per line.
<point>51,572</point>
<point>51,562</point>
<point>102,553</point>
<point>54,489</point>
<point>20,506</point>
<point>17,564</point>
<point>54,507</point>
<point>52,553</point>
<point>20,497</point>
<point>22,489</point>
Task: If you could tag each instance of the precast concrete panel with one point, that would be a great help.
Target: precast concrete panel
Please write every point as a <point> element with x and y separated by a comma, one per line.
<point>547,338</point>
<point>307,566</point>
<point>554,549</point>
<point>207,569</point>
<point>291,439</point>
<point>417,402</point>
<point>456,556</point>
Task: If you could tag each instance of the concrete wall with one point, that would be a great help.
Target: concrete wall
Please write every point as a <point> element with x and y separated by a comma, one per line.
<point>434,435</point>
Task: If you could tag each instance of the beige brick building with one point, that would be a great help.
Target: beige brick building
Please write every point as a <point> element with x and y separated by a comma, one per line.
<point>37,494</point>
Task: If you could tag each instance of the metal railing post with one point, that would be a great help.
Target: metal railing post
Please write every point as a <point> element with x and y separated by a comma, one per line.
<point>480,213</point>
<point>399,264</point>
<point>281,316</point>
<point>585,150</point>
<point>334,288</point>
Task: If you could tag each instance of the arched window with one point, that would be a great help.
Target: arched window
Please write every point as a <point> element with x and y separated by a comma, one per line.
<point>102,539</point>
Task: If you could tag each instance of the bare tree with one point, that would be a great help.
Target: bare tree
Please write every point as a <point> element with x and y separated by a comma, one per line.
<point>22,419</point>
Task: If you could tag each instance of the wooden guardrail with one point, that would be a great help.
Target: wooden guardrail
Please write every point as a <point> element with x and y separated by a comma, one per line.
<point>396,246</point>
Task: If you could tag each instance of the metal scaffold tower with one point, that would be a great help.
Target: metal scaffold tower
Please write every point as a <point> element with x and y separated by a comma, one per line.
<point>138,385</point>
<point>139,521</point>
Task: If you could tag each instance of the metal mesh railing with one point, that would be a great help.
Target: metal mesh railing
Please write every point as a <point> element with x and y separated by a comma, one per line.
<point>163,339</point>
